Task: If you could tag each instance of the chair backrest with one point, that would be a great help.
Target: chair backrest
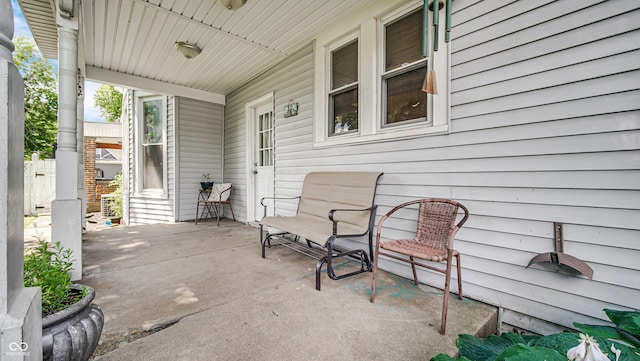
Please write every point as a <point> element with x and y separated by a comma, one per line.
<point>220,192</point>
<point>324,191</point>
<point>436,222</point>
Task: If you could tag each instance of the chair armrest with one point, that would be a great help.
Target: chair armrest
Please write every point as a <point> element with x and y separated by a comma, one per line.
<point>335,221</point>
<point>274,198</point>
<point>224,191</point>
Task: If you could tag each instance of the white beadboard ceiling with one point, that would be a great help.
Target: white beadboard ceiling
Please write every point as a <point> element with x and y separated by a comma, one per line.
<point>136,37</point>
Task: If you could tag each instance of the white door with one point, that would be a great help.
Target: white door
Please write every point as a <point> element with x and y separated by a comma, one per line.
<point>263,158</point>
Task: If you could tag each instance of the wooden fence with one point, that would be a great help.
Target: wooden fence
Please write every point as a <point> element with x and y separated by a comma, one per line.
<point>39,185</point>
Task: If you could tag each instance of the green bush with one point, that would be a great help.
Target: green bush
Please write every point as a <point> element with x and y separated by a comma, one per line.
<point>50,269</point>
<point>623,339</point>
<point>115,203</point>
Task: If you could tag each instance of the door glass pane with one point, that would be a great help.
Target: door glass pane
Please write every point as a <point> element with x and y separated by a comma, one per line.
<point>265,139</point>
<point>405,99</point>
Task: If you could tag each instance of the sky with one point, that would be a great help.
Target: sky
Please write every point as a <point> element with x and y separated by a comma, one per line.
<point>91,112</point>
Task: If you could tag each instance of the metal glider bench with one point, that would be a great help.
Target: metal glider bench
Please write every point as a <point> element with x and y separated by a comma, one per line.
<point>331,206</point>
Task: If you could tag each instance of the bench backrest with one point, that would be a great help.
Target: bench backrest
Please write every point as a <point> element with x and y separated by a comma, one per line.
<point>324,191</point>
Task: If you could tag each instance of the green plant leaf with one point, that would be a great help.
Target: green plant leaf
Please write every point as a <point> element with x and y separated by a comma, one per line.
<point>608,332</point>
<point>628,321</point>
<point>522,352</point>
<point>479,349</point>
<point>49,268</point>
<point>445,357</point>
<point>561,342</point>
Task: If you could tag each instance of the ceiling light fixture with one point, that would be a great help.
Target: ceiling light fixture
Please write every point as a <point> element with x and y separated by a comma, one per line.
<point>187,50</point>
<point>232,4</point>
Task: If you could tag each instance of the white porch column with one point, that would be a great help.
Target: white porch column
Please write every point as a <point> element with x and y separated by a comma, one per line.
<point>20,307</point>
<point>82,194</point>
<point>66,209</point>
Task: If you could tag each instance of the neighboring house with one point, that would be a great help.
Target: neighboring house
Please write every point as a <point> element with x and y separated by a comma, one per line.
<point>102,160</point>
<point>108,163</point>
<point>535,121</point>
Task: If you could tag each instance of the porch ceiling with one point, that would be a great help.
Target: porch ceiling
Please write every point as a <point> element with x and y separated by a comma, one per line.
<point>136,37</point>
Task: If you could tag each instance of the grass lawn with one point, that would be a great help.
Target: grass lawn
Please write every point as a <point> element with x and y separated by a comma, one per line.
<point>28,220</point>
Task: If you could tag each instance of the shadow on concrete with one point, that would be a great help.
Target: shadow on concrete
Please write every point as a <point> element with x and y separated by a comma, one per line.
<point>200,292</point>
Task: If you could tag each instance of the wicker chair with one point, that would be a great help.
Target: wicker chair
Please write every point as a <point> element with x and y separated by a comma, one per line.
<point>219,196</point>
<point>436,229</point>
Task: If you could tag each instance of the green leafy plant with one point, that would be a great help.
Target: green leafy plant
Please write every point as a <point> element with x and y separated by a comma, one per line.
<point>40,98</point>
<point>50,269</point>
<point>619,343</point>
<point>115,203</point>
<point>109,100</point>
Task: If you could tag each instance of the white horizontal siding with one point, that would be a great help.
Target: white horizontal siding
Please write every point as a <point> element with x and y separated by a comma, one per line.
<point>298,72</point>
<point>200,142</point>
<point>148,210</point>
<point>545,127</point>
<point>565,78</point>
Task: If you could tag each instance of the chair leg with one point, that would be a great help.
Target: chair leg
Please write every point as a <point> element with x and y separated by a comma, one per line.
<point>445,301</point>
<point>197,211</point>
<point>373,280</point>
<point>232,215</point>
<point>218,213</point>
<point>459,276</point>
<point>413,268</point>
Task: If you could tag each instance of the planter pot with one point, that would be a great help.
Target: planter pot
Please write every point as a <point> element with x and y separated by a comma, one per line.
<point>115,220</point>
<point>73,333</point>
<point>206,185</point>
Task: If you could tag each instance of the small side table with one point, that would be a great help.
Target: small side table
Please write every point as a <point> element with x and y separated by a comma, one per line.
<point>208,210</point>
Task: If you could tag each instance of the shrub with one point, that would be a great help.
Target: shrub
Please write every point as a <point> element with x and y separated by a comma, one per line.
<point>115,203</point>
<point>50,269</point>
<point>619,343</point>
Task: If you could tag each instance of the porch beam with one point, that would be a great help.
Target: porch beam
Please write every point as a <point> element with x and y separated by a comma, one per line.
<point>145,84</point>
<point>109,145</point>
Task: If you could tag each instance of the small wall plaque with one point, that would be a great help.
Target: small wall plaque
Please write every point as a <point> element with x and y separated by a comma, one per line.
<point>290,109</point>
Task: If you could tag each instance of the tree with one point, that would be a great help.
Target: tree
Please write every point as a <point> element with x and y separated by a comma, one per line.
<point>40,98</point>
<point>109,100</point>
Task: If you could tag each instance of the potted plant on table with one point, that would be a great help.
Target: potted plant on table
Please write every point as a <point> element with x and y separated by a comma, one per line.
<point>71,323</point>
<point>207,183</point>
<point>115,203</point>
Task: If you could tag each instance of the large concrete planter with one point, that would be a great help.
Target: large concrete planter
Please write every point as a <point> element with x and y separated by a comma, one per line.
<point>72,334</point>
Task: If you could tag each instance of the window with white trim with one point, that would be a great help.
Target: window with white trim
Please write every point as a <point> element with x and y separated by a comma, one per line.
<point>385,97</point>
<point>404,71</point>
<point>343,90</point>
<point>151,157</point>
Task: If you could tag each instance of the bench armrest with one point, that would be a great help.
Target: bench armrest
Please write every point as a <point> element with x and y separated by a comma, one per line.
<point>274,198</point>
<point>332,212</point>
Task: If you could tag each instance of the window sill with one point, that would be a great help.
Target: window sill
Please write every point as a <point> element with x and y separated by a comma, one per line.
<point>383,135</point>
<point>151,194</point>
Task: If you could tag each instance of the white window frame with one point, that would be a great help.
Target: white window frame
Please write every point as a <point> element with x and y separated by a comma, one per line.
<point>335,46</point>
<point>140,191</point>
<point>368,27</point>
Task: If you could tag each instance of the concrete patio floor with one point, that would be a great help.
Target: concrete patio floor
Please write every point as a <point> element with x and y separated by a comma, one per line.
<point>200,292</point>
